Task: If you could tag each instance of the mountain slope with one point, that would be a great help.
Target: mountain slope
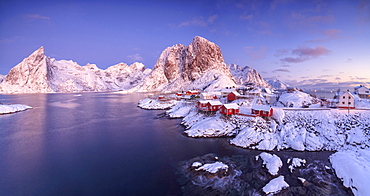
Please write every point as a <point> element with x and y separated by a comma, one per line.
<point>41,74</point>
<point>197,66</point>
<point>247,76</point>
<point>277,84</point>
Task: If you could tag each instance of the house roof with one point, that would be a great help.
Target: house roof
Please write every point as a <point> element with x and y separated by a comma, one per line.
<point>215,102</point>
<point>203,101</point>
<point>231,106</point>
<point>236,93</point>
<point>261,107</point>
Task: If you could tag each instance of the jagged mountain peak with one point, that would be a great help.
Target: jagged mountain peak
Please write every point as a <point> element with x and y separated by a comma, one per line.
<point>181,67</point>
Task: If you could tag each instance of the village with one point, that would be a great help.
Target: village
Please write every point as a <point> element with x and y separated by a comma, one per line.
<point>254,101</point>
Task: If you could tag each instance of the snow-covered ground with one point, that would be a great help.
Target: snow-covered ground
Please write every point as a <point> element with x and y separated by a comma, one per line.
<point>155,104</point>
<point>353,167</point>
<point>7,109</point>
<point>296,99</point>
<point>347,133</point>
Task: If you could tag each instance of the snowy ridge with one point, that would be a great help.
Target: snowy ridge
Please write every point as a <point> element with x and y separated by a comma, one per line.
<point>41,74</point>
<point>277,84</point>
<point>247,75</point>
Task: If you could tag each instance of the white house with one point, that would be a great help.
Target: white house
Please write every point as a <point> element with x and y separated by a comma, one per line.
<point>362,91</point>
<point>347,100</point>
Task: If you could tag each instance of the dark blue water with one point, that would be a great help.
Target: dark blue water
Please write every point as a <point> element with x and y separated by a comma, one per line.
<point>94,144</point>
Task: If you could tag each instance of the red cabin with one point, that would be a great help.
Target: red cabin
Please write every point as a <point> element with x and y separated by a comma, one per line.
<point>213,106</point>
<point>202,105</point>
<point>228,109</point>
<point>262,110</point>
<point>233,96</point>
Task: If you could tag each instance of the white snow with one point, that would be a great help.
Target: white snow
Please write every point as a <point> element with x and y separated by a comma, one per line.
<point>271,162</point>
<point>275,185</point>
<point>7,109</point>
<point>196,164</point>
<point>199,126</point>
<point>155,104</point>
<point>180,109</point>
<point>296,162</point>
<point>213,167</point>
<point>296,98</point>
<point>353,167</point>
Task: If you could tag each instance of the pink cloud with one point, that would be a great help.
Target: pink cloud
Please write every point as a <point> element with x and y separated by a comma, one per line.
<point>328,35</point>
<point>313,52</point>
<point>305,54</point>
<point>300,20</point>
<point>281,70</point>
<point>37,16</point>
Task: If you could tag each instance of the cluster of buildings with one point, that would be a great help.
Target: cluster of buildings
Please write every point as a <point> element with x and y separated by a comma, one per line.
<point>350,100</point>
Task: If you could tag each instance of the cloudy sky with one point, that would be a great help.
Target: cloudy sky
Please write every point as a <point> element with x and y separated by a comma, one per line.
<point>310,44</point>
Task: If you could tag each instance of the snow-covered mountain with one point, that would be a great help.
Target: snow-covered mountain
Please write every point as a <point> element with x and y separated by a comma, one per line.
<point>247,75</point>
<point>277,84</point>
<point>197,66</point>
<point>41,74</point>
<point>1,78</point>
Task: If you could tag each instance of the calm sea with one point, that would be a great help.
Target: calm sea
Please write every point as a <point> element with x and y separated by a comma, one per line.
<point>97,144</point>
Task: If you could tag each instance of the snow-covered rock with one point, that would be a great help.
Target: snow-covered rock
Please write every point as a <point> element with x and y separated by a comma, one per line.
<point>296,162</point>
<point>353,167</point>
<point>247,76</point>
<point>213,167</point>
<point>271,161</point>
<point>277,84</point>
<point>181,109</point>
<point>1,78</point>
<point>41,74</point>
<point>296,99</point>
<point>155,104</point>
<point>7,109</point>
<point>199,126</point>
<point>197,66</point>
<point>275,185</point>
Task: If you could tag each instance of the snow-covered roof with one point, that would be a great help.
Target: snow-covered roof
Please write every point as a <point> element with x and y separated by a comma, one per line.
<point>261,107</point>
<point>231,106</point>
<point>203,101</point>
<point>236,93</point>
<point>227,90</point>
<point>215,102</point>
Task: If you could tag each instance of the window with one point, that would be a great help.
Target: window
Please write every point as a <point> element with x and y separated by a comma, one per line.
<point>349,97</point>
<point>349,103</point>
<point>344,97</point>
<point>366,91</point>
<point>342,102</point>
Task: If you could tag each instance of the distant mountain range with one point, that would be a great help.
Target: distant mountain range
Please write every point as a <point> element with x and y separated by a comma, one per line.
<point>197,66</point>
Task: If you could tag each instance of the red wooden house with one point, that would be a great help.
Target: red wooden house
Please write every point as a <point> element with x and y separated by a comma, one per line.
<point>233,96</point>
<point>228,109</point>
<point>213,106</point>
<point>202,104</point>
<point>262,110</point>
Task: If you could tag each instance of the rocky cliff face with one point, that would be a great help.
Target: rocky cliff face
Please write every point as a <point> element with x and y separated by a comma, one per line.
<point>199,65</point>
<point>31,75</point>
<point>247,75</point>
<point>41,74</point>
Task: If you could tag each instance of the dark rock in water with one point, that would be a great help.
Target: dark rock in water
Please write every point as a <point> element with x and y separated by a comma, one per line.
<point>247,176</point>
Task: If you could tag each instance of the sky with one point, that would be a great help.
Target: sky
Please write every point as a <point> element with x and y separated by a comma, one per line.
<point>316,44</point>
